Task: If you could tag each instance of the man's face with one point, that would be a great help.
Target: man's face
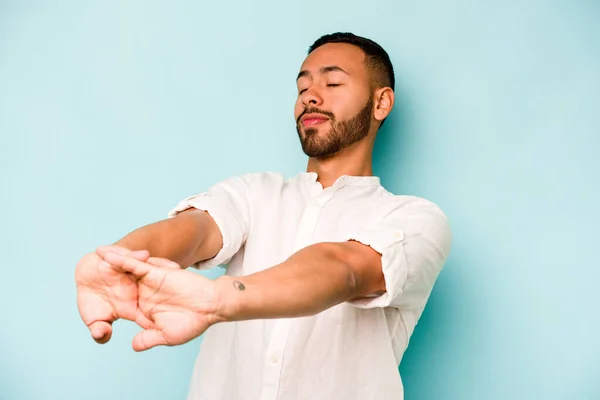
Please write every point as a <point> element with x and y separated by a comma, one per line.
<point>334,108</point>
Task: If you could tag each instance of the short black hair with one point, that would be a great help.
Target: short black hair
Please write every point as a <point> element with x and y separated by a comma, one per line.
<point>376,58</point>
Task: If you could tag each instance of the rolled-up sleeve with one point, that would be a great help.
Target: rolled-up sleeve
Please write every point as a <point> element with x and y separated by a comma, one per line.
<point>228,203</point>
<point>414,241</point>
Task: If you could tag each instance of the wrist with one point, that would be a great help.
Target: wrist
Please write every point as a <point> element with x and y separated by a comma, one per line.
<point>238,298</point>
<point>226,304</point>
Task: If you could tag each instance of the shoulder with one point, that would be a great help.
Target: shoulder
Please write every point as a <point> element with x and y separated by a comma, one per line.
<point>257,183</point>
<point>409,203</point>
<point>254,179</point>
<point>270,179</point>
<point>263,181</point>
<point>417,217</point>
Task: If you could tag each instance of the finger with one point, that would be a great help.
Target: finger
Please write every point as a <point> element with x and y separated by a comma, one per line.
<point>143,321</point>
<point>101,331</point>
<point>136,267</point>
<point>103,250</point>
<point>148,339</point>
<point>139,254</point>
<point>163,263</point>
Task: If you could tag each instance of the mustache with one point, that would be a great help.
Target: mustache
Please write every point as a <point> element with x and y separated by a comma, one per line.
<point>316,111</point>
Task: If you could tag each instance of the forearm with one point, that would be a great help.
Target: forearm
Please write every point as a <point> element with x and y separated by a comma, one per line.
<point>189,237</point>
<point>310,281</point>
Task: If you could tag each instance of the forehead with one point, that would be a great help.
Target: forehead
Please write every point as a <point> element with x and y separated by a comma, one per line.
<point>344,55</point>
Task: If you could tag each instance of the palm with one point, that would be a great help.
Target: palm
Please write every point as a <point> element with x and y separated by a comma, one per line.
<point>178,302</point>
<point>105,294</point>
<point>178,305</point>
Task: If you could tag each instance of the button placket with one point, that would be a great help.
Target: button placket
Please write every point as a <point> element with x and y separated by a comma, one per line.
<point>310,218</point>
<point>274,359</point>
<point>282,328</point>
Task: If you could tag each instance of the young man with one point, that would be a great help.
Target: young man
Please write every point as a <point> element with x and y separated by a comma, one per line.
<point>327,272</point>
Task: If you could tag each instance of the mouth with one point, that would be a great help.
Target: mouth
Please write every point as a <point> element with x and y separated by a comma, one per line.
<point>310,120</point>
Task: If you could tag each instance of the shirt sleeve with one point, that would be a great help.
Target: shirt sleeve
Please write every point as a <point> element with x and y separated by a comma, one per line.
<point>228,203</point>
<point>414,242</point>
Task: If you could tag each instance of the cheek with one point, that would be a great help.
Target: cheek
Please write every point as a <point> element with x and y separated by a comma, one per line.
<point>298,109</point>
<point>345,105</point>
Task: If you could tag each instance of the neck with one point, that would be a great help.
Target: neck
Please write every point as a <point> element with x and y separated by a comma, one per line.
<point>355,160</point>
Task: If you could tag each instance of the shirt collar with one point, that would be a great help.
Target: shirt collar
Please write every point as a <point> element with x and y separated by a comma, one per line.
<point>345,180</point>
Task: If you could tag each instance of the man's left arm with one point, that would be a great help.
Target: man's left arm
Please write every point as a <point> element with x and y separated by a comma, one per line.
<point>394,263</point>
<point>312,280</point>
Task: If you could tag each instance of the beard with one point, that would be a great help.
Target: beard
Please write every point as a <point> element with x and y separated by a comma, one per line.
<point>341,134</point>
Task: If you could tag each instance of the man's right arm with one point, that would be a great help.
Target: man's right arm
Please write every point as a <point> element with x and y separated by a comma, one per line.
<point>103,296</point>
<point>187,238</point>
<point>204,230</point>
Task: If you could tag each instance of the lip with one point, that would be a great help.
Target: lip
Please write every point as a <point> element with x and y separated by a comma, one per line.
<point>313,119</point>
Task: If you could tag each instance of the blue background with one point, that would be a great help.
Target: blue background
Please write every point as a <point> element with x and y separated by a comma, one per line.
<point>111,112</point>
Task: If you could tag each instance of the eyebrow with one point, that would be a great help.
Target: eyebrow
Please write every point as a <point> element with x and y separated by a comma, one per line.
<point>322,70</point>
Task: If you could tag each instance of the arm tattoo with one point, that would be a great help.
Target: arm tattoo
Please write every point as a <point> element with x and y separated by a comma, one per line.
<point>239,285</point>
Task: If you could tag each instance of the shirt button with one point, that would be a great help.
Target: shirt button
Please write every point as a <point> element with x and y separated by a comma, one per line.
<point>274,359</point>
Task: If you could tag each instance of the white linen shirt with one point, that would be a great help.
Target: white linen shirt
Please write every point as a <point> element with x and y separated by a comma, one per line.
<point>349,351</point>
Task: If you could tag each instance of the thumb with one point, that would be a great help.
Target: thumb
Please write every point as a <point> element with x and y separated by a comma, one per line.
<point>101,331</point>
<point>148,339</point>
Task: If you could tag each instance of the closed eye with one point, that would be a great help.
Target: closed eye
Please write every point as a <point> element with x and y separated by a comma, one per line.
<point>302,91</point>
<point>334,85</point>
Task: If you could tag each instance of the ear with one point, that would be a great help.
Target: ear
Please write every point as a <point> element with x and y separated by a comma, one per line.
<point>384,101</point>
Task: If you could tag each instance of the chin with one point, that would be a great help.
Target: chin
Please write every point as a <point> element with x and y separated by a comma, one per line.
<point>311,131</point>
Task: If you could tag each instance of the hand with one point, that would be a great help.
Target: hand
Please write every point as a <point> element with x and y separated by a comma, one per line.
<point>179,304</point>
<point>105,294</point>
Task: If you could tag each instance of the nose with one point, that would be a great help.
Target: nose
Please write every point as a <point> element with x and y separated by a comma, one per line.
<point>311,98</point>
